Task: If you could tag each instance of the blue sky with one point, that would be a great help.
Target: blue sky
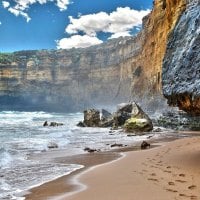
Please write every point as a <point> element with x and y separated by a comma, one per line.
<point>45,24</point>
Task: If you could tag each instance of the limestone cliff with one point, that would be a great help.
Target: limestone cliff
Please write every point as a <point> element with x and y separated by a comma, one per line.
<point>181,67</point>
<point>118,70</point>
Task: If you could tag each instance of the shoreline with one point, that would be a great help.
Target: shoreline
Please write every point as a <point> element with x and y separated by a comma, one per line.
<point>66,183</point>
<point>168,172</point>
<point>69,186</point>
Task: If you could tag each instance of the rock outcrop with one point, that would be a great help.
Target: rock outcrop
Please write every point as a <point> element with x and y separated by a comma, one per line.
<point>181,67</point>
<point>139,121</point>
<point>71,80</point>
<point>106,119</point>
<point>128,116</point>
<point>91,118</point>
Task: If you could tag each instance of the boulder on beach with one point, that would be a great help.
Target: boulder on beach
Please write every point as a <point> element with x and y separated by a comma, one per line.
<point>91,118</point>
<point>145,145</point>
<point>128,115</point>
<point>105,115</point>
<point>133,125</point>
<point>138,121</point>
<point>106,119</point>
<point>122,114</point>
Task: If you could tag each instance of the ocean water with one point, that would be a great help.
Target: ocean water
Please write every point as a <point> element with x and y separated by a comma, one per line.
<point>24,146</point>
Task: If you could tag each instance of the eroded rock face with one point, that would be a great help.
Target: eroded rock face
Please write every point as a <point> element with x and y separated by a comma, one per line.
<point>139,121</point>
<point>106,74</point>
<point>91,118</point>
<point>181,67</point>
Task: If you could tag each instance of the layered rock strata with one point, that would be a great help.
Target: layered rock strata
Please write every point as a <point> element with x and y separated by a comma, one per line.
<point>68,80</point>
<point>181,67</point>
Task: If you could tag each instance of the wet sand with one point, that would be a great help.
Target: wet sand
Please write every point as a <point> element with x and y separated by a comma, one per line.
<point>170,171</point>
<point>66,184</point>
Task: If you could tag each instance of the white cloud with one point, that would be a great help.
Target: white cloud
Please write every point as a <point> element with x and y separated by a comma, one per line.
<point>120,34</point>
<point>0,23</point>
<point>62,4</point>
<point>120,21</point>
<point>18,12</point>
<point>90,24</point>
<point>5,4</point>
<point>21,7</point>
<point>78,41</point>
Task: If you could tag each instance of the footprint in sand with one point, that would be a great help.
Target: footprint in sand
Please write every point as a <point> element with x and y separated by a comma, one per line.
<point>183,195</point>
<point>171,190</point>
<point>171,183</point>
<point>153,174</point>
<point>168,167</point>
<point>181,181</point>
<point>153,179</point>
<point>193,197</point>
<point>182,175</point>
<point>192,187</point>
<point>167,171</point>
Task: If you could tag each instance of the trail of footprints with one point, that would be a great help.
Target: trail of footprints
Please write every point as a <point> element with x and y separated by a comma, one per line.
<point>179,184</point>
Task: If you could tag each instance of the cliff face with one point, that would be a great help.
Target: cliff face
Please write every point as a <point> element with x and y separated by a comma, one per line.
<point>119,70</point>
<point>156,28</point>
<point>181,67</point>
<point>67,80</point>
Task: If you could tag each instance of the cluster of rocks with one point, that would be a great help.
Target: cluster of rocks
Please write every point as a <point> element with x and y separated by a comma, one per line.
<point>144,145</point>
<point>52,124</point>
<point>128,116</point>
<point>178,120</point>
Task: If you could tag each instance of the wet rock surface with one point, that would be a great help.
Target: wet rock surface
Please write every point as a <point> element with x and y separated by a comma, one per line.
<point>128,116</point>
<point>52,124</point>
<point>178,121</point>
<point>145,145</point>
<point>181,66</point>
<point>139,121</point>
<point>52,145</point>
<point>91,118</point>
<point>106,119</point>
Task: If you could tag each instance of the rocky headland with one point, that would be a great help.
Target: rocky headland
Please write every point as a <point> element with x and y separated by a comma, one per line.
<point>70,80</point>
<point>162,60</point>
<point>181,66</point>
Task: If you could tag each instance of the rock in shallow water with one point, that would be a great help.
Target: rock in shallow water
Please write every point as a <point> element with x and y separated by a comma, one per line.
<point>91,118</point>
<point>52,145</point>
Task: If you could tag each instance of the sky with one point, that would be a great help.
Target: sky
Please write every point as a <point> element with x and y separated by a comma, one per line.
<point>64,24</point>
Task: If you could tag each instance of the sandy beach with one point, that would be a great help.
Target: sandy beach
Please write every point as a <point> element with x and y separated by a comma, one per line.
<point>167,172</point>
<point>170,171</point>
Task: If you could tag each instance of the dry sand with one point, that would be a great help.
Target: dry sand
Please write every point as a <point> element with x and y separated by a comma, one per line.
<point>171,171</point>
